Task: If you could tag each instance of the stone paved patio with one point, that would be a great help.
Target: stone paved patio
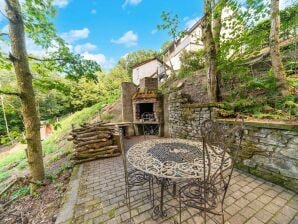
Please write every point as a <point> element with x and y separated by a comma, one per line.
<point>249,199</point>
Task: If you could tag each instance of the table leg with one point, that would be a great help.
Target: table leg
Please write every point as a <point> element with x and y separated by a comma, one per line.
<point>174,189</point>
<point>159,210</point>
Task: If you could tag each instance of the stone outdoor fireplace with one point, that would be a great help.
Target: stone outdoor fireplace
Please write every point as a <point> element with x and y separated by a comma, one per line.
<point>144,107</point>
<point>146,102</point>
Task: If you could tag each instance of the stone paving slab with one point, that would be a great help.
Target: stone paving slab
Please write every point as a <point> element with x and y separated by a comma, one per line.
<point>101,199</point>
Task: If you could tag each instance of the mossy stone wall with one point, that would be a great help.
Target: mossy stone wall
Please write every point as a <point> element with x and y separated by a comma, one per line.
<point>269,150</point>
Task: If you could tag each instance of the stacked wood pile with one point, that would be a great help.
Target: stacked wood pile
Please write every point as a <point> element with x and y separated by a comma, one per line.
<point>94,141</point>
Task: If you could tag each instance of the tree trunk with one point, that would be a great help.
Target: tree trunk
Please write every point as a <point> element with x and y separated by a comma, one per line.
<point>277,65</point>
<point>24,82</point>
<point>216,22</point>
<point>210,49</point>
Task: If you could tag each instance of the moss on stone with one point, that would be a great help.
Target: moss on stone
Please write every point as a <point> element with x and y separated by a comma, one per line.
<point>187,114</point>
<point>112,213</point>
<point>289,183</point>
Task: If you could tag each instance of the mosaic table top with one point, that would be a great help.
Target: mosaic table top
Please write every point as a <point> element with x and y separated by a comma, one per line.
<point>174,158</point>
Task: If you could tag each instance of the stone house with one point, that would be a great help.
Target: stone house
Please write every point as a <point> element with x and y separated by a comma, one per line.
<point>191,41</point>
<point>151,68</point>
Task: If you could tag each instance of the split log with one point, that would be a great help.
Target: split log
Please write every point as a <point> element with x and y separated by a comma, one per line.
<point>92,129</point>
<point>92,142</point>
<point>70,138</point>
<point>94,146</point>
<point>80,141</point>
<point>96,137</point>
<point>103,134</point>
<point>98,149</point>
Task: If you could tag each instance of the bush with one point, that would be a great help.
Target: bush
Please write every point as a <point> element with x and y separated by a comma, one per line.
<point>191,61</point>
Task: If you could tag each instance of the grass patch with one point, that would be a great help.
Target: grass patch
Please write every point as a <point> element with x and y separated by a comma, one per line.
<point>4,175</point>
<point>51,145</point>
<point>22,165</point>
<point>80,117</point>
<point>20,192</point>
<point>12,158</point>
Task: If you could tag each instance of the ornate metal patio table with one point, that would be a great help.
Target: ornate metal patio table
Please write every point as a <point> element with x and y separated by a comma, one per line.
<point>174,159</point>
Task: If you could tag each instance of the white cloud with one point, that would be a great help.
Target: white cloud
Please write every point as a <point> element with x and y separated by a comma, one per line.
<point>128,39</point>
<point>2,8</point>
<point>131,2</point>
<point>80,48</point>
<point>105,63</point>
<point>31,47</point>
<point>60,3</point>
<point>93,11</point>
<point>285,3</point>
<point>74,35</point>
<point>154,31</point>
<point>4,46</point>
<point>190,22</point>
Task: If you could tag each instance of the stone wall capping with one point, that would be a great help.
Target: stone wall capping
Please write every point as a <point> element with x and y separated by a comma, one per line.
<point>265,124</point>
<point>199,105</point>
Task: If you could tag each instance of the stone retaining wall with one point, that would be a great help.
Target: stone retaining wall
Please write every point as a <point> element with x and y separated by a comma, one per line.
<point>270,150</point>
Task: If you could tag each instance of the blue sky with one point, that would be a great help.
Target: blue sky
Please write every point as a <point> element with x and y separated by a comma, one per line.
<point>105,30</point>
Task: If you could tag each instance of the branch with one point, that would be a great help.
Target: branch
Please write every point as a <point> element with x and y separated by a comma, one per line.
<point>47,59</point>
<point>3,34</point>
<point>3,14</point>
<point>10,93</point>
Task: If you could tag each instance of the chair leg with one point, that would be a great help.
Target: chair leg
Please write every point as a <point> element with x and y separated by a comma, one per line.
<point>153,199</point>
<point>129,205</point>
<point>180,218</point>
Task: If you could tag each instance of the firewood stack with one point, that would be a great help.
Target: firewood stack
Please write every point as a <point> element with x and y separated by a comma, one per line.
<point>94,141</point>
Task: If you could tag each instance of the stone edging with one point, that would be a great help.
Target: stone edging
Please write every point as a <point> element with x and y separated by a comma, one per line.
<point>69,200</point>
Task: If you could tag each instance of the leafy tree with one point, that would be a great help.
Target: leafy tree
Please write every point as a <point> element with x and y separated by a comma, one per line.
<point>33,18</point>
<point>165,45</point>
<point>191,61</point>
<point>171,24</point>
<point>24,80</point>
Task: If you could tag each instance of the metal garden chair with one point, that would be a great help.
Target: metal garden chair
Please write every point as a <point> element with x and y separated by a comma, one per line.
<point>208,193</point>
<point>135,180</point>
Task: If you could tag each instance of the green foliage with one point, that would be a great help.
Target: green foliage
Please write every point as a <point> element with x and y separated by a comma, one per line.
<point>170,23</point>
<point>20,192</point>
<point>258,97</point>
<point>191,61</point>
<point>73,65</point>
<point>165,45</point>
<point>4,175</point>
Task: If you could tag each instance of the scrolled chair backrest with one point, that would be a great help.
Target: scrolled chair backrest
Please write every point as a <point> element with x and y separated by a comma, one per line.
<point>221,145</point>
<point>119,131</point>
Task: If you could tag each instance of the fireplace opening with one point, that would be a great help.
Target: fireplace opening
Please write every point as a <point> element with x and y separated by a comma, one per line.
<point>145,111</point>
<point>146,108</point>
